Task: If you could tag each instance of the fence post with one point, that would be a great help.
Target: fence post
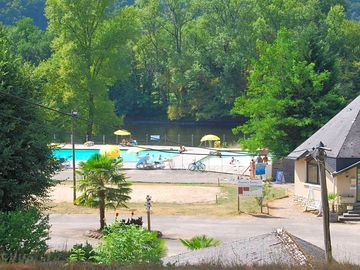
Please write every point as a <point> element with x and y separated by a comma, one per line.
<point>178,138</point>
<point>71,138</point>
<point>165,138</point>
<point>192,139</point>
<point>103,139</point>
<point>87,137</point>
<point>146,138</point>
<point>54,137</point>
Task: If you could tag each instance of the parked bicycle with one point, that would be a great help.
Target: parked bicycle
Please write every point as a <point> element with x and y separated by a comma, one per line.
<point>197,166</point>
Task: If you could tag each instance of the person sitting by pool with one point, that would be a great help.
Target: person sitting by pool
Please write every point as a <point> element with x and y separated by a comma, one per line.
<point>124,142</point>
<point>232,161</point>
<point>182,149</point>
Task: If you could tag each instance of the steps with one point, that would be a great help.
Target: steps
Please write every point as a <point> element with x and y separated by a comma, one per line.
<point>351,215</point>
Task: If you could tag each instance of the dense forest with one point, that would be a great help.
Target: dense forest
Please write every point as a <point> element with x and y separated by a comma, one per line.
<point>284,66</point>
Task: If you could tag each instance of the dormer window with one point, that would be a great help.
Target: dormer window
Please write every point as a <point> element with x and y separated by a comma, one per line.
<point>312,172</point>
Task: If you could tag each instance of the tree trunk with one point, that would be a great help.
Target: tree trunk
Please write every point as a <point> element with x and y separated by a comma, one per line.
<point>102,210</point>
<point>90,123</point>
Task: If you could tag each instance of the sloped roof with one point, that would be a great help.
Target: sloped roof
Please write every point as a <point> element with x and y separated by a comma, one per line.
<point>276,247</point>
<point>341,134</point>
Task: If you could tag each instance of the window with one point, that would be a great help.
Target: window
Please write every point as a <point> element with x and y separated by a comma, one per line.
<point>312,172</point>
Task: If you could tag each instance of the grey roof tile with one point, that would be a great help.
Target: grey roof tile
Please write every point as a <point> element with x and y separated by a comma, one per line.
<point>341,134</point>
<point>276,247</point>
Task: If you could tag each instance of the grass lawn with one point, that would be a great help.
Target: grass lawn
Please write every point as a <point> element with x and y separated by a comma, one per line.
<point>226,205</point>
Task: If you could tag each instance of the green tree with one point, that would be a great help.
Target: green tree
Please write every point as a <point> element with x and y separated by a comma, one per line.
<point>26,161</point>
<point>13,10</point>
<point>29,42</point>
<point>103,185</point>
<point>91,49</point>
<point>286,96</point>
<point>23,235</point>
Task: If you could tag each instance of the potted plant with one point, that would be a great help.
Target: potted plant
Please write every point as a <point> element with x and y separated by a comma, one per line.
<point>333,215</point>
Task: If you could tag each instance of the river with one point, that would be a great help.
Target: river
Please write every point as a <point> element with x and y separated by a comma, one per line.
<point>162,133</point>
<point>184,133</point>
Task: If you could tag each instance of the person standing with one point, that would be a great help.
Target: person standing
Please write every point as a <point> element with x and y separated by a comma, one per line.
<point>265,159</point>
<point>252,169</point>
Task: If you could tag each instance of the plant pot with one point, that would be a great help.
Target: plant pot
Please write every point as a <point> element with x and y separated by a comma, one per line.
<point>333,217</point>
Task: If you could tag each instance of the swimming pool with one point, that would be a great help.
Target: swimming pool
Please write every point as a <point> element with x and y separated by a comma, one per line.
<point>85,154</point>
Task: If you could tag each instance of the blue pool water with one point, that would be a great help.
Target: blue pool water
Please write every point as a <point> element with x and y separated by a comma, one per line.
<point>85,154</point>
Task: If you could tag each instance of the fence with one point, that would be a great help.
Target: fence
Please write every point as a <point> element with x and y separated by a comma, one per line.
<point>147,139</point>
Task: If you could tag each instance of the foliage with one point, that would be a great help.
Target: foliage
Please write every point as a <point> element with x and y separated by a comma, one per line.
<point>103,184</point>
<point>288,96</point>
<point>26,161</point>
<point>129,244</point>
<point>57,256</point>
<point>186,59</point>
<point>82,253</point>
<point>91,48</point>
<point>12,11</point>
<point>266,194</point>
<point>212,266</point>
<point>29,42</point>
<point>23,235</point>
<point>199,242</point>
<point>332,197</point>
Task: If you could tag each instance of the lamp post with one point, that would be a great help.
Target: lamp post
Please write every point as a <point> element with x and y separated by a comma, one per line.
<point>73,117</point>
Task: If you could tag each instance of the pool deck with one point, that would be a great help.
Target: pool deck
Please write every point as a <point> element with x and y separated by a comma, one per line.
<point>182,161</point>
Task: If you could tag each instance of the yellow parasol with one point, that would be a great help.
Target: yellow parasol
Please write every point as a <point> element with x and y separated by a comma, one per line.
<point>210,137</point>
<point>134,150</point>
<point>122,132</point>
<point>110,151</point>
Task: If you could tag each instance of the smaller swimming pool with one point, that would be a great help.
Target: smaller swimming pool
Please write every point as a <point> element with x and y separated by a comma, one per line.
<point>86,154</point>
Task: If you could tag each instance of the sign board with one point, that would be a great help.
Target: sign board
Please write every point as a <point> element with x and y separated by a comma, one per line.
<point>154,137</point>
<point>280,177</point>
<point>310,202</point>
<point>260,168</point>
<point>250,188</point>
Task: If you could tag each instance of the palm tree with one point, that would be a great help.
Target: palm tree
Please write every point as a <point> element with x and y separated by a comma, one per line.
<point>200,241</point>
<point>103,185</point>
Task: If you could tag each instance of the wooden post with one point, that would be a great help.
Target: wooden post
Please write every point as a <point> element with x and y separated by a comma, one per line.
<point>238,201</point>
<point>320,156</point>
<point>148,221</point>
<point>148,205</point>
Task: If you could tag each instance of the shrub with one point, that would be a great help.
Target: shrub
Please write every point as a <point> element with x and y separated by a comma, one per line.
<point>82,253</point>
<point>129,244</point>
<point>200,241</point>
<point>57,256</point>
<point>23,235</point>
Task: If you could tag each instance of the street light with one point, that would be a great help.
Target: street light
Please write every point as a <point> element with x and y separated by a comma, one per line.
<point>73,117</point>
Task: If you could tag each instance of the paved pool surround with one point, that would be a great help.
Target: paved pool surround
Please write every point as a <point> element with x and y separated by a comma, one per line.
<point>182,161</point>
